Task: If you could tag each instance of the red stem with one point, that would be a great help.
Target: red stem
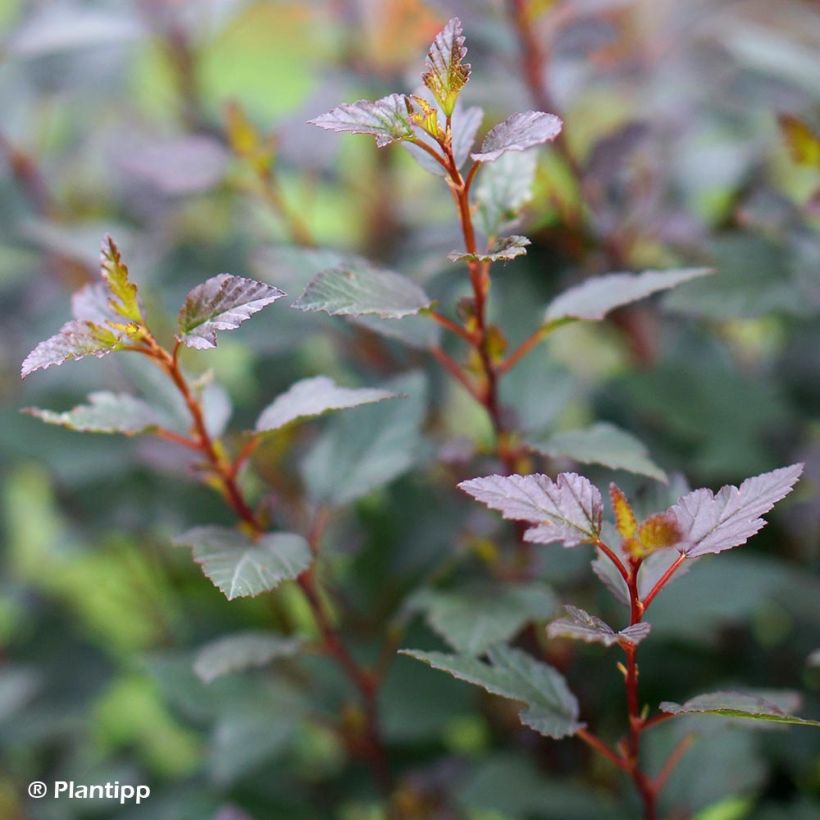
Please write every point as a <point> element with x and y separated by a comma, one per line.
<point>662,581</point>
<point>365,683</point>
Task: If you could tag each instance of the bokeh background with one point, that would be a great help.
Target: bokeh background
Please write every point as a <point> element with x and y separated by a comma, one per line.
<point>115,118</point>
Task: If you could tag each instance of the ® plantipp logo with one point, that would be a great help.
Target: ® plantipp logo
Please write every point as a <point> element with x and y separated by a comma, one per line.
<point>123,793</point>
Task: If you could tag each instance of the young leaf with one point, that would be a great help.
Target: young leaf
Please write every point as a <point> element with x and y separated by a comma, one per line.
<point>222,302</point>
<point>802,141</point>
<point>242,650</point>
<point>240,567</point>
<point>712,523</point>
<point>625,521</point>
<point>738,705</point>
<point>605,444</point>
<point>567,510</point>
<point>552,709</point>
<point>593,299</point>
<point>581,626</point>
<point>446,72</point>
<point>506,248</point>
<point>464,126</point>
<point>76,340</point>
<point>474,617</point>
<point>312,397</point>
<point>517,133</point>
<point>369,446</point>
<point>363,290</point>
<point>105,413</point>
<point>503,188</point>
<point>123,297</point>
<point>388,119</point>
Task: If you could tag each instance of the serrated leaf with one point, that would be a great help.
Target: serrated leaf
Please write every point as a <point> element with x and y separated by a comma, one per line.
<point>105,413</point>
<point>369,446</point>
<point>506,248</point>
<point>593,299</point>
<point>517,133</point>
<point>123,297</point>
<point>240,567</point>
<point>242,650</point>
<point>503,188</point>
<point>446,73</point>
<point>605,444</point>
<point>363,290</point>
<point>581,626</point>
<point>712,523</point>
<point>76,340</point>
<point>567,510</point>
<point>474,617</point>
<point>388,119</point>
<point>738,705</point>
<point>222,302</point>
<point>552,709</point>
<point>312,397</point>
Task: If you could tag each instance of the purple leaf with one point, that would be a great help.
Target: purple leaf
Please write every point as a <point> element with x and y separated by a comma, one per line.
<point>446,73</point>
<point>580,625</point>
<point>593,299</point>
<point>712,523</point>
<point>387,119</point>
<point>91,304</point>
<point>517,133</point>
<point>76,340</point>
<point>312,397</point>
<point>504,249</point>
<point>221,303</point>
<point>567,510</point>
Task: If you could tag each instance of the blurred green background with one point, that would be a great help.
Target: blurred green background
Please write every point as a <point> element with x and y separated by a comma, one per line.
<point>115,120</point>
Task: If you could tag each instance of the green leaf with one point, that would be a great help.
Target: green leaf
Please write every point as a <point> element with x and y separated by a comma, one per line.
<point>505,248</point>
<point>601,443</point>
<point>242,650</point>
<point>312,397</point>
<point>360,290</point>
<point>105,413</point>
<point>76,340</point>
<point>593,299</point>
<point>742,705</point>
<point>388,119</point>
<point>446,73</point>
<point>240,567</point>
<point>369,446</point>
<point>476,616</point>
<point>123,297</point>
<point>551,709</point>
<point>222,302</point>
<point>503,188</point>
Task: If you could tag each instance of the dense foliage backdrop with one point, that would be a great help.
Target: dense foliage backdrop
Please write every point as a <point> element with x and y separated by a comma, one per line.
<point>179,127</point>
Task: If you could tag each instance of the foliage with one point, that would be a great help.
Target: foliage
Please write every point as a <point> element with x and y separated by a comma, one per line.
<point>583,257</point>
